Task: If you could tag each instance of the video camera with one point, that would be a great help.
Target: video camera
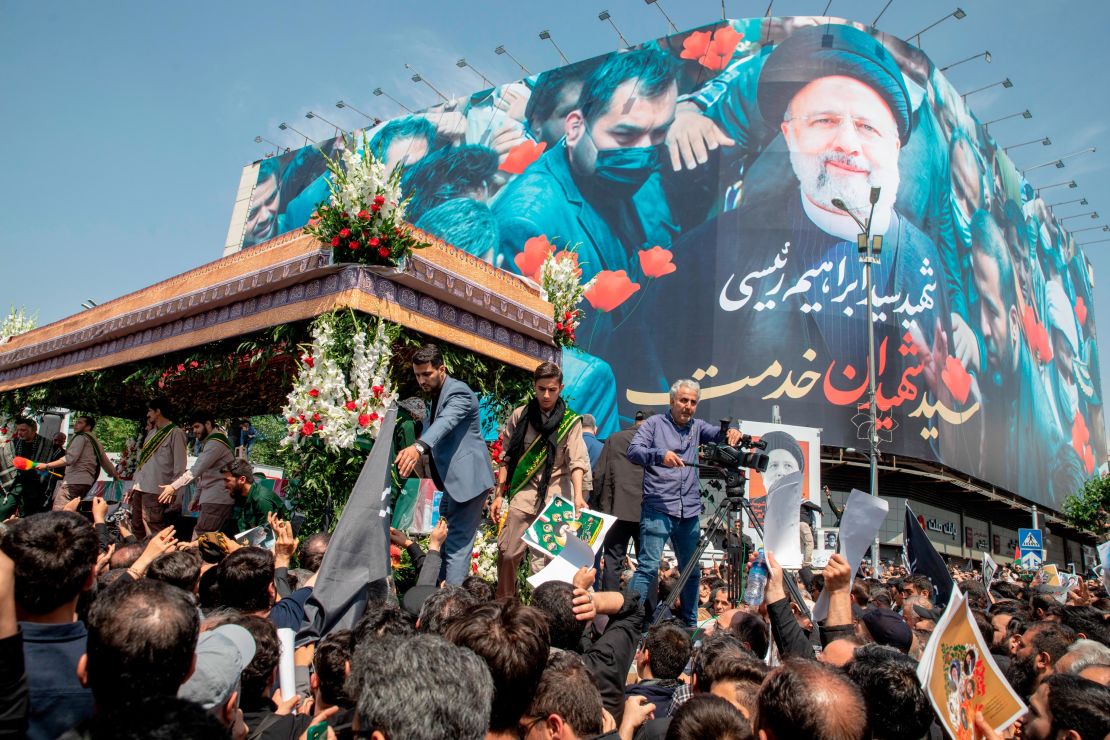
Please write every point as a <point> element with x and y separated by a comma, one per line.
<point>729,460</point>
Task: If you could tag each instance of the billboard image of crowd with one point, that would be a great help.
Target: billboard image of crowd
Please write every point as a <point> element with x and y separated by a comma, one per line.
<point>713,184</point>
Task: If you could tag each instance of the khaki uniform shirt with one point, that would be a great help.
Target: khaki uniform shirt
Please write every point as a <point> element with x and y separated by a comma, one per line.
<point>165,465</point>
<point>570,455</point>
<point>81,462</point>
<point>206,472</point>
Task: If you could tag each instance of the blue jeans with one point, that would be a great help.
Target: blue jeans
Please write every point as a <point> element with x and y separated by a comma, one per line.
<point>655,529</point>
<point>462,522</point>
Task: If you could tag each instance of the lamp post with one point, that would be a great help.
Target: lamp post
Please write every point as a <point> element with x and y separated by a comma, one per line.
<point>1060,162</point>
<point>1024,114</point>
<point>1092,214</point>
<point>374,120</point>
<point>986,58</point>
<point>958,14</point>
<point>379,92</point>
<point>1069,183</point>
<point>338,128</point>
<point>502,50</point>
<point>1080,201</point>
<point>277,147</point>
<point>659,5</point>
<point>463,63</point>
<point>604,16</point>
<point>875,23</point>
<point>869,248</point>
<point>1006,83</point>
<point>545,35</point>
<point>1044,141</point>
<point>1090,228</point>
<point>285,126</point>
<point>416,77</point>
<point>1093,241</point>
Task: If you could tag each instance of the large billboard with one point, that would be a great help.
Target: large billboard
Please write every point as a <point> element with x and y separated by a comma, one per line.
<point>713,183</point>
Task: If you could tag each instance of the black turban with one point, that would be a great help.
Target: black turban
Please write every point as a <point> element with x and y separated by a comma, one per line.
<point>826,51</point>
<point>783,441</point>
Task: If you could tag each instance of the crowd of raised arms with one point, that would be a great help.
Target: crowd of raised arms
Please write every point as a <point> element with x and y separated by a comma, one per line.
<point>124,627</point>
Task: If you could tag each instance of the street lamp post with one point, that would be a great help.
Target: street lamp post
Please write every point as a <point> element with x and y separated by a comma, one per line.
<point>958,14</point>
<point>1043,141</point>
<point>285,126</point>
<point>379,92</point>
<point>338,129</point>
<point>1006,83</point>
<point>374,120</point>
<point>869,248</point>
<point>986,55</point>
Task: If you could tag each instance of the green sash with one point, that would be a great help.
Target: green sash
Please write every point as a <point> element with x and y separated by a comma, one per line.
<point>152,445</point>
<point>96,451</point>
<point>219,437</point>
<point>532,461</point>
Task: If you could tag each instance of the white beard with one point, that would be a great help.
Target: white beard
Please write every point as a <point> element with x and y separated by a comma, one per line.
<point>822,188</point>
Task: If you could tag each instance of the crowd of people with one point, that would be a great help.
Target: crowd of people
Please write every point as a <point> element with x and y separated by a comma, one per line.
<point>117,627</point>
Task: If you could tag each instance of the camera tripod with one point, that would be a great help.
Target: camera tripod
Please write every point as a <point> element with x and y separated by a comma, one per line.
<point>731,509</point>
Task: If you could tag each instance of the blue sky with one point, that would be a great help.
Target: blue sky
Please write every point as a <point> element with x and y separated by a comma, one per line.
<point>127,123</point>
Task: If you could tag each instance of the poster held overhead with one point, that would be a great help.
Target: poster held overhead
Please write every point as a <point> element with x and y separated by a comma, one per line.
<point>781,524</point>
<point>863,515</point>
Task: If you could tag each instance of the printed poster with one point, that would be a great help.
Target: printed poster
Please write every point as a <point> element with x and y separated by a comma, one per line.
<point>961,678</point>
<point>548,534</point>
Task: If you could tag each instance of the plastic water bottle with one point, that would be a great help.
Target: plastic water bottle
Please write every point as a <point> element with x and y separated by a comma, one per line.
<point>757,582</point>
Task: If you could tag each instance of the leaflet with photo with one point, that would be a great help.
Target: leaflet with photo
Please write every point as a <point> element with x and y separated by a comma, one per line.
<point>548,534</point>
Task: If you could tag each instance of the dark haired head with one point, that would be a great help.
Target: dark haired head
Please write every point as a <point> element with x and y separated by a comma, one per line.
<point>547,370</point>
<point>400,696</point>
<point>246,579</point>
<point>736,678</point>
<point>54,554</point>
<point>1077,705</point>
<point>162,406</point>
<point>752,631</point>
<point>310,554</point>
<point>239,468</point>
<point>125,556</point>
<point>90,422</point>
<point>202,417</point>
<point>409,127</point>
<point>554,94</point>
<point>27,422</point>
<point>652,70</point>
<point>554,599</point>
<point>382,619</point>
<point>442,606</point>
<point>429,354</point>
<point>142,636</point>
<point>713,648</point>
<point>479,588</point>
<point>258,676</point>
<point>568,690</point>
<point>897,705</point>
<point>707,716</point>
<point>668,650</point>
<point>179,568</point>
<point>513,641</point>
<point>804,700</point>
<point>329,664</point>
<point>1087,621</point>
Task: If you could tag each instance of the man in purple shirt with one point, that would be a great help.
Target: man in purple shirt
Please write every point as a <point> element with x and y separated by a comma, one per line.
<point>666,445</point>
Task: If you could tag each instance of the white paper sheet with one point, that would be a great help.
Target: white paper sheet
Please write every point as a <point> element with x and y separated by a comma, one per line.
<point>576,554</point>
<point>287,680</point>
<point>781,521</point>
<point>863,515</point>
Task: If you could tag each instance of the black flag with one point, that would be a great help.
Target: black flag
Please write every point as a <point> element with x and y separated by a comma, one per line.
<point>356,562</point>
<point>923,559</point>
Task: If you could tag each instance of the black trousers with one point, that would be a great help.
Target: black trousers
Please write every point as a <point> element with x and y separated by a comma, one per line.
<point>614,549</point>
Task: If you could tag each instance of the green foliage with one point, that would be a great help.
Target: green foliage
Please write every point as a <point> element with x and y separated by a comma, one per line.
<point>270,430</point>
<point>112,431</point>
<point>1088,509</point>
<point>320,481</point>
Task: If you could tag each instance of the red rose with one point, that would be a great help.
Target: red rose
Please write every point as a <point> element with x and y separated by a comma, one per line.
<point>363,214</point>
<point>292,420</point>
<point>344,232</point>
<point>384,251</point>
<point>350,405</point>
<point>194,364</point>
<point>354,244</point>
<point>301,416</point>
<point>307,429</point>
<point>335,242</point>
<point>377,390</point>
<point>180,368</point>
<point>316,417</point>
<point>308,360</point>
<point>373,416</point>
<point>314,393</point>
<point>379,199</point>
<point>363,419</point>
<point>374,241</point>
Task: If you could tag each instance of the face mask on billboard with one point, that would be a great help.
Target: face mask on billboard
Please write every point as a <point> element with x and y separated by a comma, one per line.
<point>626,167</point>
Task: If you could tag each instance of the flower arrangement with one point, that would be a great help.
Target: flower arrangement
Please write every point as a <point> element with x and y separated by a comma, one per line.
<point>16,322</point>
<point>561,285</point>
<point>324,405</point>
<point>361,221</point>
<point>483,558</point>
<point>128,459</point>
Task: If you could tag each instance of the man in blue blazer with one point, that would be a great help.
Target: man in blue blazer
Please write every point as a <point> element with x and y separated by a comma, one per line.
<point>461,465</point>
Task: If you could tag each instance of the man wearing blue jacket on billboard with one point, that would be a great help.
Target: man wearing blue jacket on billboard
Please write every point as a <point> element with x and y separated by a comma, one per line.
<point>666,445</point>
<point>461,465</point>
